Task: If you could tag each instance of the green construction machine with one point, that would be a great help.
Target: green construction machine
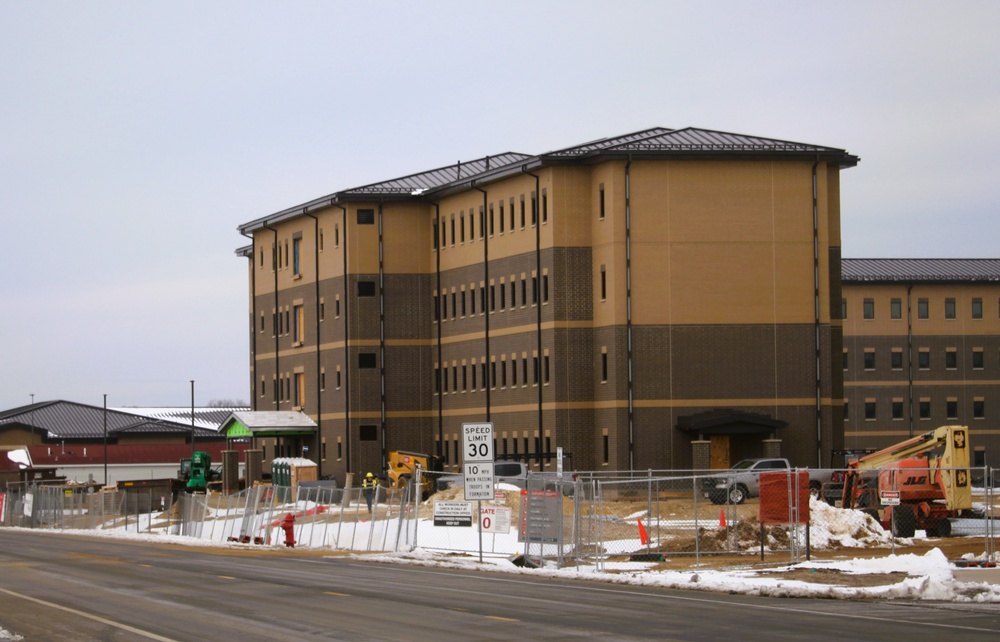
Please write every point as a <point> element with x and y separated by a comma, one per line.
<point>197,472</point>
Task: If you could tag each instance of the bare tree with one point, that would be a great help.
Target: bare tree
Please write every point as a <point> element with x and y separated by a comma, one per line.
<point>228,403</point>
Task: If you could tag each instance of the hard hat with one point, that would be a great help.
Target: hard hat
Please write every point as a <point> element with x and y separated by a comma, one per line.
<point>369,475</point>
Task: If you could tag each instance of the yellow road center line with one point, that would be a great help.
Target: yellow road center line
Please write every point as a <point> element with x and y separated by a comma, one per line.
<point>337,594</point>
<point>504,619</point>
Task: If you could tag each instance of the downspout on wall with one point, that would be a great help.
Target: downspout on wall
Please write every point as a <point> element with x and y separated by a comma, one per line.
<point>381,335</point>
<point>909,352</point>
<point>816,318</point>
<point>274,322</point>
<point>628,312</point>
<point>347,350</point>
<point>319,362</point>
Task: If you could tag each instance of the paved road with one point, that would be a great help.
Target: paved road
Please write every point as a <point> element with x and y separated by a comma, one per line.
<point>62,587</point>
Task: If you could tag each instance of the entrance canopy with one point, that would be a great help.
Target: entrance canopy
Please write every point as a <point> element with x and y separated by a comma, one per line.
<point>729,422</point>
<point>267,423</point>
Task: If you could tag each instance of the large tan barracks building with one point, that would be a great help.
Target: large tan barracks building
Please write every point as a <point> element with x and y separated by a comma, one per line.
<point>663,299</point>
<point>921,350</point>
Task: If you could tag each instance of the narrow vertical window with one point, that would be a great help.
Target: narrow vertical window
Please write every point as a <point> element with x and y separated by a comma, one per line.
<point>895,309</point>
<point>545,206</point>
<point>923,309</point>
<point>492,223</point>
<point>453,229</point>
<point>534,209</point>
<point>869,309</point>
<point>296,254</point>
<point>512,214</point>
<point>600,203</point>
<point>604,367</point>
<point>503,219</point>
<point>545,288</point>
<point>522,211</point>
<point>949,309</point>
<point>461,230</point>
<point>977,308</point>
<point>604,284</point>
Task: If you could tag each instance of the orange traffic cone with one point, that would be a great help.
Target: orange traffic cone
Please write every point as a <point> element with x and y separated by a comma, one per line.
<point>643,535</point>
<point>722,518</point>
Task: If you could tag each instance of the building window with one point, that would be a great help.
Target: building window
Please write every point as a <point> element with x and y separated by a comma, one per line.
<point>503,219</point>
<point>336,235</point>
<point>322,310</point>
<point>534,211</point>
<point>951,409</point>
<point>482,379</point>
<point>300,389</point>
<point>338,377</point>
<point>869,359</point>
<point>444,235</point>
<point>895,309</point>
<point>600,213</point>
<point>869,309</point>
<point>503,297</point>
<point>524,292</point>
<point>604,284</point>
<point>296,253</point>
<point>843,308</point>
<point>949,308</point>
<point>897,360</point>
<point>437,311</point>
<point>367,360</point>
<point>434,234</point>
<point>513,372</point>
<point>870,410</point>
<point>977,358</point>
<point>463,302</point>
<point>923,309</point>
<point>925,409</point>
<point>604,367</point>
<point>336,307</point>
<point>493,298</point>
<point>444,379</point>
<point>545,361</point>
<point>491,221</point>
<point>545,206</point>
<point>366,288</point>
<point>534,370</point>
<point>503,373</point>
<point>978,409</point>
<point>977,308</point>
<point>454,305</point>
<point>366,217</point>
<point>897,408</point>
<point>924,359</point>
<point>951,359</point>
<point>472,226</point>
<point>453,236</point>
<point>493,374</point>
<point>368,433</point>
<point>534,290</point>
<point>524,370</point>
<point>299,325</point>
<point>845,361</point>
<point>461,229</point>
<point>473,369</point>
<point>454,378</point>
<point>545,288</point>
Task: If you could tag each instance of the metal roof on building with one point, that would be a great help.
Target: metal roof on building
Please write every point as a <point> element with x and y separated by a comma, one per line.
<point>656,142</point>
<point>70,420</point>
<point>207,418</point>
<point>919,270</point>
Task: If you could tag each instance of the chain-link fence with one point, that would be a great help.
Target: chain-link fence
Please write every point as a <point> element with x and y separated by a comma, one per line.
<point>584,520</point>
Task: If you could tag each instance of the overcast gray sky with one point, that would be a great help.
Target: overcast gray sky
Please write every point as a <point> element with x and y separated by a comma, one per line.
<point>136,136</point>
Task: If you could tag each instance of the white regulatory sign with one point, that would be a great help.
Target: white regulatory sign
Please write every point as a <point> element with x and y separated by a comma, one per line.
<point>477,442</point>
<point>478,480</point>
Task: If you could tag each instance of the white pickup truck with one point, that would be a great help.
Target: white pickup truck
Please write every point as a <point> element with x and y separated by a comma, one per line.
<point>743,480</point>
<point>514,473</point>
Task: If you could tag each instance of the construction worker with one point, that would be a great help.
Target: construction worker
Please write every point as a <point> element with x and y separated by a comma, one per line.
<point>369,487</point>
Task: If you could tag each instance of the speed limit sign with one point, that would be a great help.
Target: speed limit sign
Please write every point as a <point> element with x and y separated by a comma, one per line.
<point>477,442</point>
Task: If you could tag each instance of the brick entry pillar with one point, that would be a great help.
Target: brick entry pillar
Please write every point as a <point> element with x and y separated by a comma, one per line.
<point>701,455</point>
<point>772,448</point>
<point>230,471</point>
<point>254,469</point>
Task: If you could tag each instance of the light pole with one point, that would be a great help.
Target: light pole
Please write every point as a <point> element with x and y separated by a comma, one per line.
<point>105,440</point>
<point>192,418</point>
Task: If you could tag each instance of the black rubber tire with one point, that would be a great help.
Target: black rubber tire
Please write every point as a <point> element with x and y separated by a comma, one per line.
<point>941,529</point>
<point>905,522</point>
<point>718,497</point>
<point>738,494</point>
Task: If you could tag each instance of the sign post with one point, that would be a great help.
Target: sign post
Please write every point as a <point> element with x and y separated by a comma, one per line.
<point>477,466</point>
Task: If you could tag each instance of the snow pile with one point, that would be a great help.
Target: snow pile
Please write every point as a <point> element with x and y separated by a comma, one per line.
<point>831,527</point>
